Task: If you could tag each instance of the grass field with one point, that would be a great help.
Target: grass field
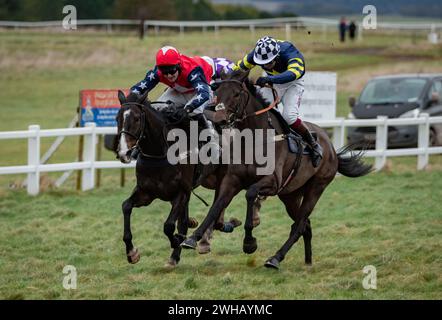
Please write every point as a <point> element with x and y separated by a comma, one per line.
<point>392,219</point>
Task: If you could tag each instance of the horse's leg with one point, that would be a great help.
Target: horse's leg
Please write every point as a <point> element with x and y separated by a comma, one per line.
<point>228,189</point>
<point>179,205</point>
<point>307,236</point>
<point>204,244</point>
<point>267,186</point>
<point>182,226</point>
<point>313,191</point>
<point>137,199</point>
<point>220,225</point>
<point>256,208</point>
<point>292,203</point>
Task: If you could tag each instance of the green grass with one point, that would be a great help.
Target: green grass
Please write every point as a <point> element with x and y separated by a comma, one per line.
<point>391,221</point>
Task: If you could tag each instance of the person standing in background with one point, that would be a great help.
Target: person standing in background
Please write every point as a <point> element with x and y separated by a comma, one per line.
<point>342,29</point>
<point>352,30</point>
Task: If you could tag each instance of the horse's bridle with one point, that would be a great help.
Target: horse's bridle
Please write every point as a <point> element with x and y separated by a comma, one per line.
<point>141,135</point>
<point>238,118</point>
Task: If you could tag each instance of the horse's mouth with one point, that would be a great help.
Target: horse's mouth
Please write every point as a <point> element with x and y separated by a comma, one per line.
<point>125,157</point>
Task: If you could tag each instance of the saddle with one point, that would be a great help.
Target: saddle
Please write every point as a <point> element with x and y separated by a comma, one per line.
<point>294,140</point>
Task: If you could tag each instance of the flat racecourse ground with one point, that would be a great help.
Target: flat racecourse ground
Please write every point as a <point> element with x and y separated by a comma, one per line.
<point>392,219</point>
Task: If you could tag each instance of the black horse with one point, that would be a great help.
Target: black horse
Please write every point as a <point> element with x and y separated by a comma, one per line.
<point>297,183</point>
<point>143,130</point>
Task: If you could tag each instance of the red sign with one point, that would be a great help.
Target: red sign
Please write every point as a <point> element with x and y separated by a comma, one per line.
<point>100,106</point>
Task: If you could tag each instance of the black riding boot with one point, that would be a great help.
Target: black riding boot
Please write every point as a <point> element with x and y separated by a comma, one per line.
<point>204,123</point>
<point>316,152</point>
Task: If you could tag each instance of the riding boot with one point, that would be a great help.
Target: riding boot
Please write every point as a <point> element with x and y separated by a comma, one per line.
<point>316,149</point>
<point>205,123</point>
<point>208,169</point>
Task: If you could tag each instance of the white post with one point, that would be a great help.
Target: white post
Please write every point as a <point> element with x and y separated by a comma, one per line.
<point>359,31</point>
<point>252,31</point>
<point>90,141</point>
<point>381,142</point>
<point>34,160</point>
<point>216,30</point>
<point>288,31</point>
<point>423,142</point>
<point>181,30</point>
<point>339,134</point>
<point>157,30</point>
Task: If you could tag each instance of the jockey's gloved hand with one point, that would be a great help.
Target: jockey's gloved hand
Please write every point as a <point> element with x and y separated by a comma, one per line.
<point>181,113</point>
<point>188,109</point>
<point>262,81</point>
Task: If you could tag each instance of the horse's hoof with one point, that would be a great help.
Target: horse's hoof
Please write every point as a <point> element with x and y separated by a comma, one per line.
<point>203,249</point>
<point>235,222</point>
<point>133,256</point>
<point>272,263</point>
<point>172,263</point>
<point>250,246</point>
<point>189,243</point>
<point>192,223</point>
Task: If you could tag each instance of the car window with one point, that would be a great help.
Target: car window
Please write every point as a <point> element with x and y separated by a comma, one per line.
<point>436,87</point>
<point>393,90</point>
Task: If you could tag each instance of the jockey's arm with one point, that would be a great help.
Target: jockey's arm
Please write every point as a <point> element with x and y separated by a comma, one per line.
<point>148,83</point>
<point>245,63</point>
<point>295,70</point>
<point>197,79</point>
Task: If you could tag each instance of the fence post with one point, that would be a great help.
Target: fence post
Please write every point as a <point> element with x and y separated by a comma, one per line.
<point>381,142</point>
<point>181,30</point>
<point>34,160</point>
<point>423,142</point>
<point>90,140</point>
<point>288,31</point>
<point>339,134</point>
<point>252,31</point>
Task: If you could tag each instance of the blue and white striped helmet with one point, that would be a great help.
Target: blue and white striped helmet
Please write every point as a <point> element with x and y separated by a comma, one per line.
<point>266,50</point>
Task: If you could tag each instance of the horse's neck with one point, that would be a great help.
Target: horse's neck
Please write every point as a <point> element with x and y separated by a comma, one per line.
<point>154,133</point>
<point>256,121</point>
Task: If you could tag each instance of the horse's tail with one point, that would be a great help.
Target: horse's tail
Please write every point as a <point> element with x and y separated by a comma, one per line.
<point>352,166</point>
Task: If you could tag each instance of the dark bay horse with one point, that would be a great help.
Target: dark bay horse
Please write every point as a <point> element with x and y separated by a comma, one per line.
<point>143,129</point>
<point>299,192</point>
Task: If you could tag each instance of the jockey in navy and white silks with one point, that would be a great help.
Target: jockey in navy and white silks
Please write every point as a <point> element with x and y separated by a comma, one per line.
<point>284,68</point>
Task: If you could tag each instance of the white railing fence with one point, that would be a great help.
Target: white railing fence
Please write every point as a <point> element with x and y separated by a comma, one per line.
<point>90,132</point>
<point>286,22</point>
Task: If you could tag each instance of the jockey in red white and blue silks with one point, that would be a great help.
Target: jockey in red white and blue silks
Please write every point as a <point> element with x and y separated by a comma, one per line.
<point>188,78</point>
<point>284,68</point>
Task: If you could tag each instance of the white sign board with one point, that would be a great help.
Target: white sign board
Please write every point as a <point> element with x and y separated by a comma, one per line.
<point>319,98</point>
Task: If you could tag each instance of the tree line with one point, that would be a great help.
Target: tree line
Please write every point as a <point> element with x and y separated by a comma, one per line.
<point>41,10</point>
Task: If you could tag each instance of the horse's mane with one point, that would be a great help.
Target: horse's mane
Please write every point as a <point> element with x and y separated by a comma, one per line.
<point>238,74</point>
<point>255,93</point>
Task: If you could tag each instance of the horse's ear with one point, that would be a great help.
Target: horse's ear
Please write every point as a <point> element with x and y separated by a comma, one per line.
<point>121,97</point>
<point>240,75</point>
<point>243,75</point>
<point>224,74</point>
<point>143,97</point>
